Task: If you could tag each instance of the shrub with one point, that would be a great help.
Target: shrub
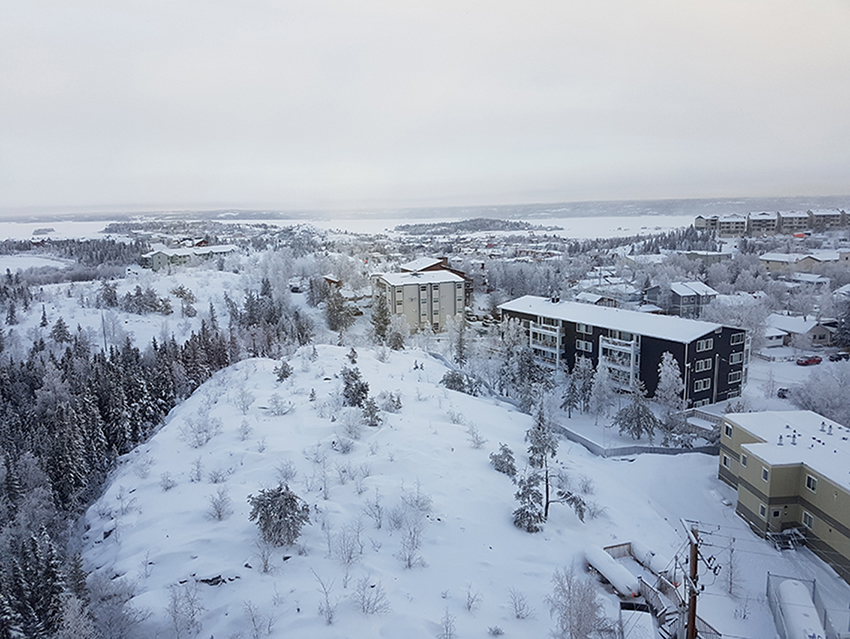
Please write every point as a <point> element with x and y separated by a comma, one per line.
<point>280,515</point>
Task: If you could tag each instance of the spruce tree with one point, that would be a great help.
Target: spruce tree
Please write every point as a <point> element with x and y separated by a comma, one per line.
<point>280,515</point>
<point>542,445</point>
<point>380,319</point>
<point>637,419</point>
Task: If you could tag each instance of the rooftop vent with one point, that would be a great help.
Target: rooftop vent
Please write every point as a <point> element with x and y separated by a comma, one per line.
<point>780,441</point>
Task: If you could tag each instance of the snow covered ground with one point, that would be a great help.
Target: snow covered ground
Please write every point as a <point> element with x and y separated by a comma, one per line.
<point>420,458</point>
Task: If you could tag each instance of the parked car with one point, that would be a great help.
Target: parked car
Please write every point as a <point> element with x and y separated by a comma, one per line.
<point>837,357</point>
<point>782,393</point>
<point>809,360</point>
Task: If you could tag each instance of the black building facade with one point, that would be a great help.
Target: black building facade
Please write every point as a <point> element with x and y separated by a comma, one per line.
<point>713,359</point>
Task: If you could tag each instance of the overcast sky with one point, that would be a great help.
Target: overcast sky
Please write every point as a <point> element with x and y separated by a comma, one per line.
<point>370,103</point>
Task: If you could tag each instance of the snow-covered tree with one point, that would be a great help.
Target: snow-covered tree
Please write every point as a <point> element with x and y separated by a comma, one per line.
<point>355,390</point>
<point>636,418</point>
<point>542,445</point>
<point>503,461</point>
<point>670,389</point>
<point>576,607</point>
<point>280,515</point>
<point>59,333</point>
<point>282,371</point>
<point>842,333</point>
<point>380,320</point>
<point>371,413</point>
<point>398,332</point>
<point>583,374</point>
<point>603,395</point>
<point>529,513</point>
<point>570,397</point>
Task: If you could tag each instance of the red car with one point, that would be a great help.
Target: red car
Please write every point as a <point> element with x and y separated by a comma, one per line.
<point>809,360</point>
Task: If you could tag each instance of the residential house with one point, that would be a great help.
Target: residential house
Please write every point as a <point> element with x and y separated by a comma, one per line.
<point>807,330</point>
<point>706,222</point>
<point>685,299</point>
<point>425,298</point>
<point>790,471</point>
<point>713,358</point>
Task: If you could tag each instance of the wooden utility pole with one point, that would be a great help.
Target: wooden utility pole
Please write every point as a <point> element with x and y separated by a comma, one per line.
<point>692,600</point>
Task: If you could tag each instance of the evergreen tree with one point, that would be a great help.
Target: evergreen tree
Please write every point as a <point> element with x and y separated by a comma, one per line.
<point>842,332</point>
<point>37,586</point>
<point>542,445</point>
<point>570,398</point>
<point>380,319</point>
<point>503,461</point>
<point>283,371</point>
<point>602,392</point>
<point>583,374</point>
<point>371,413</point>
<point>337,313</point>
<point>11,314</point>
<point>43,322</point>
<point>397,332</point>
<point>60,333</point>
<point>355,390</point>
<point>670,389</point>
<point>637,419</point>
<point>529,514</point>
<point>280,515</point>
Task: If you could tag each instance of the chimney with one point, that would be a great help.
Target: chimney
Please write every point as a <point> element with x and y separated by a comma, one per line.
<point>780,440</point>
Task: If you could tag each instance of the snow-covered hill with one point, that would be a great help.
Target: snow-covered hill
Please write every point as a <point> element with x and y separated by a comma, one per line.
<point>155,526</point>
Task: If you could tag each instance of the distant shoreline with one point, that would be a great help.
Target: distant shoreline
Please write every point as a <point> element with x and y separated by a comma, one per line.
<point>625,208</point>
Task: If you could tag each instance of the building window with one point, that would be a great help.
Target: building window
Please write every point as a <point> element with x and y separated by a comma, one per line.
<point>776,513</point>
<point>735,376</point>
<point>765,473</point>
<point>737,338</point>
<point>701,402</point>
<point>727,429</point>
<point>423,288</point>
<point>582,345</point>
<point>702,384</point>
<point>459,286</point>
<point>705,344</point>
<point>584,328</point>
<point>702,365</point>
<point>736,358</point>
<point>808,520</point>
<point>762,511</point>
<point>725,461</point>
<point>743,460</point>
<point>812,483</point>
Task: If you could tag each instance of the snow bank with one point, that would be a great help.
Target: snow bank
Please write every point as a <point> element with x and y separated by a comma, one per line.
<point>801,617</point>
<point>618,575</point>
<point>647,557</point>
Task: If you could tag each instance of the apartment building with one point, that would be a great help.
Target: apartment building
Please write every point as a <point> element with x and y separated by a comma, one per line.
<point>713,358</point>
<point>425,298</point>
<point>790,469</point>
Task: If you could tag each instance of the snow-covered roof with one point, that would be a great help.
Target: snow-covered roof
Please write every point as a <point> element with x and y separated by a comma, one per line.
<point>668,327</point>
<point>684,289</point>
<point>826,212</point>
<point>420,263</point>
<point>827,453</point>
<point>188,252</point>
<point>763,215</point>
<point>420,277</point>
<point>793,214</point>
<point>789,324</point>
<point>788,258</point>
<point>809,278</point>
<point>842,290</point>
<point>588,298</point>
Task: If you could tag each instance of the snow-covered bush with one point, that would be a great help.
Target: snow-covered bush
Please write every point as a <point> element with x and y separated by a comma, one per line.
<point>280,515</point>
<point>503,461</point>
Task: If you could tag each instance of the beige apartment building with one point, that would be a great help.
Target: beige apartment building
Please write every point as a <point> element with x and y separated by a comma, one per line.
<point>791,470</point>
<point>423,297</point>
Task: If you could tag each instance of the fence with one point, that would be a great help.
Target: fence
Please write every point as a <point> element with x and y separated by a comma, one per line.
<point>773,582</point>
<point>621,451</point>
